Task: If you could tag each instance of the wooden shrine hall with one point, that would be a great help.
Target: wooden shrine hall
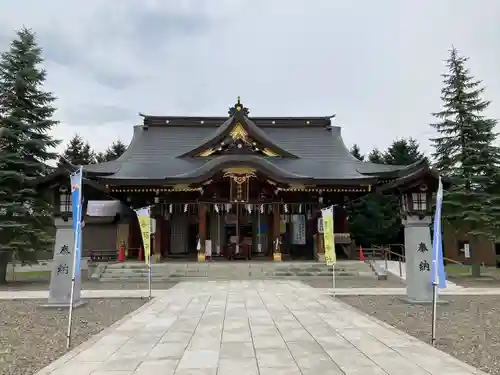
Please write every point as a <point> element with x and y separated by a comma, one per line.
<point>233,187</point>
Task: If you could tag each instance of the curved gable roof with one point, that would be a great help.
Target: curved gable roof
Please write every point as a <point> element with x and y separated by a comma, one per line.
<point>254,132</point>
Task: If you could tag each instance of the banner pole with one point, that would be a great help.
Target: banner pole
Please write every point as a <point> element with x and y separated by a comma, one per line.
<point>76,253</point>
<point>333,279</point>
<point>149,275</point>
<point>434,311</point>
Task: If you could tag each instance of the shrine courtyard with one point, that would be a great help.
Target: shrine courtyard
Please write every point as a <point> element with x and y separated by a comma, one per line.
<point>253,327</point>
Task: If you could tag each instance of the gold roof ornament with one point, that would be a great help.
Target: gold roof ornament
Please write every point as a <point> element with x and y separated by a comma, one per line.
<point>238,132</point>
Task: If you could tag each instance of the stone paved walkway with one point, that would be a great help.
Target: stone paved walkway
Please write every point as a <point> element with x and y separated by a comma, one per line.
<point>253,327</point>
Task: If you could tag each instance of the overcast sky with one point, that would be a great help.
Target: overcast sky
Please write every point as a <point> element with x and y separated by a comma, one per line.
<point>375,64</point>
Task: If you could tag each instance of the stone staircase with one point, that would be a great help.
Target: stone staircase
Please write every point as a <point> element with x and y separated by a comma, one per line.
<point>234,270</point>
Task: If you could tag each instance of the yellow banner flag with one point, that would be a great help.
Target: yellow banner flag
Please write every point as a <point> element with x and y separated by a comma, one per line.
<point>143,216</point>
<point>328,236</point>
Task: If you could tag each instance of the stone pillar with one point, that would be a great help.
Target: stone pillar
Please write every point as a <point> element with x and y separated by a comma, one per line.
<point>62,267</point>
<point>418,253</point>
<point>202,231</point>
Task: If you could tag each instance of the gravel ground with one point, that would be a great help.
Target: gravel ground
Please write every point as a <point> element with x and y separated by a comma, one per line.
<point>468,327</point>
<point>32,336</point>
<point>89,285</point>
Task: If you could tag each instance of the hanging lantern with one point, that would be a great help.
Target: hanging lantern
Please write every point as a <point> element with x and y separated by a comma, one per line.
<point>185,208</point>
<point>285,207</point>
<point>300,208</point>
<point>249,208</point>
<point>228,207</point>
<point>170,208</point>
<point>261,208</point>
<point>216,208</point>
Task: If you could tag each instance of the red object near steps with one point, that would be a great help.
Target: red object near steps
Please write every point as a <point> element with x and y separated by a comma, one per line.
<point>139,255</point>
<point>121,255</point>
<point>361,254</point>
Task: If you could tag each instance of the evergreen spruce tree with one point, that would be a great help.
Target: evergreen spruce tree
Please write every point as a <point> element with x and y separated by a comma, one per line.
<point>356,152</point>
<point>113,152</point>
<point>77,152</point>
<point>26,112</point>
<point>465,152</point>
<point>376,156</point>
<point>403,152</point>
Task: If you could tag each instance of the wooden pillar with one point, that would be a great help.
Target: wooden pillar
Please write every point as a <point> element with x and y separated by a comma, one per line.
<point>166,236</point>
<point>202,231</point>
<point>157,238</point>
<point>276,228</point>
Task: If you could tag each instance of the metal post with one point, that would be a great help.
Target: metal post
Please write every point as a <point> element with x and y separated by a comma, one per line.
<point>400,268</point>
<point>72,293</point>
<point>386,255</point>
<point>434,310</point>
<point>333,279</point>
<point>77,241</point>
<point>149,274</point>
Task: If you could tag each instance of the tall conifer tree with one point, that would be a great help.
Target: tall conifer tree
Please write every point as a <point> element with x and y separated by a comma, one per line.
<point>464,151</point>
<point>356,152</point>
<point>77,152</point>
<point>26,112</point>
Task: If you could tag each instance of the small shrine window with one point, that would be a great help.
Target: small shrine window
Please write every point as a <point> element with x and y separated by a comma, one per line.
<point>65,204</point>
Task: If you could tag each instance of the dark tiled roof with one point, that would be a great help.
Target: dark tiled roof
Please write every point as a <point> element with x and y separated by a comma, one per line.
<point>156,153</point>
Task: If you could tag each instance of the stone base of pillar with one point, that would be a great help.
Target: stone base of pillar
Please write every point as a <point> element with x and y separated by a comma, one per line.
<point>277,257</point>
<point>156,258</point>
<point>320,257</point>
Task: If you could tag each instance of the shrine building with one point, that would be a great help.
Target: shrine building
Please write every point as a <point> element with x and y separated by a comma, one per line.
<point>244,186</point>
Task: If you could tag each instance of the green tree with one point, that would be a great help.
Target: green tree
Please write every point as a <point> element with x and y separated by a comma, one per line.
<point>375,218</point>
<point>376,157</point>
<point>356,152</point>
<point>77,152</point>
<point>403,152</point>
<point>465,152</point>
<point>26,112</point>
<point>113,152</point>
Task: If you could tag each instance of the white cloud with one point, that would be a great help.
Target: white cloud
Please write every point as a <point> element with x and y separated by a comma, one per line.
<point>377,65</point>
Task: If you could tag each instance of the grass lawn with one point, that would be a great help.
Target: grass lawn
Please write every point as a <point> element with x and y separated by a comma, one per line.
<point>28,275</point>
<point>458,270</point>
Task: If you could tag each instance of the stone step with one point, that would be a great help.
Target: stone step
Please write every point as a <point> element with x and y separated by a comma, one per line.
<point>233,270</point>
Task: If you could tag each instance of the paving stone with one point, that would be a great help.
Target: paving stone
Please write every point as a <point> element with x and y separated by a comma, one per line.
<point>237,350</point>
<point>199,359</point>
<point>157,366</point>
<point>266,328</point>
<point>240,366</point>
<point>274,358</point>
<point>167,350</point>
<point>289,370</point>
<point>121,364</point>
<point>269,342</point>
